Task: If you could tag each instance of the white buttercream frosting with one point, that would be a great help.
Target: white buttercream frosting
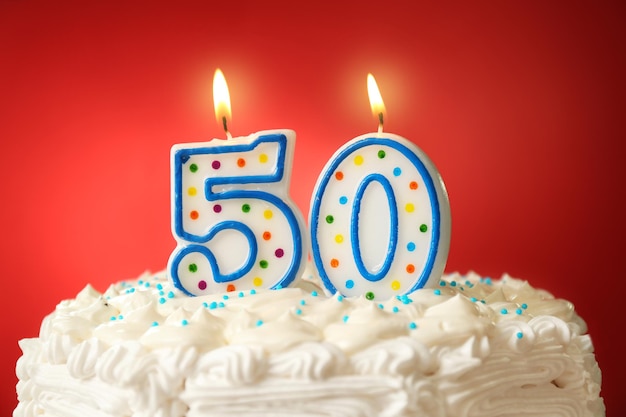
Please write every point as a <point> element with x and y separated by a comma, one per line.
<point>469,347</point>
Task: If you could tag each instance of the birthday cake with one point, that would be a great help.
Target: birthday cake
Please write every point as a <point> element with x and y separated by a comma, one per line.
<point>470,346</point>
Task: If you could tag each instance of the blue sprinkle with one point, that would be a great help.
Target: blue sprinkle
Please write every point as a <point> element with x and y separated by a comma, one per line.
<point>483,301</point>
<point>524,306</point>
<point>221,305</point>
<point>154,323</point>
<point>205,305</point>
<point>412,326</point>
<point>340,298</point>
<point>225,297</point>
<point>162,300</point>
<point>184,322</point>
<point>252,291</point>
<point>113,318</point>
<point>437,292</point>
<point>453,283</point>
<point>395,309</point>
<point>213,305</point>
<point>170,294</point>
<point>140,282</point>
<point>345,319</point>
<point>159,287</point>
<point>473,299</point>
<point>240,294</point>
<point>302,302</point>
<point>518,311</point>
<point>314,293</point>
<point>504,311</point>
<point>120,317</point>
<point>382,307</point>
<point>488,281</point>
<point>147,284</point>
<point>259,322</point>
<point>279,287</point>
<point>520,335</point>
<point>298,311</point>
<point>442,283</point>
<point>161,293</point>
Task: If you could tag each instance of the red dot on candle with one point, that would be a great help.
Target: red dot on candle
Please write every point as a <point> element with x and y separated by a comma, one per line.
<point>338,175</point>
<point>194,215</point>
<point>241,162</point>
<point>202,285</point>
<point>217,208</point>
<point>279,253</point>
<point>216,164</point>
<point>267,235</point>
<point>230,288</point>
<point>334,263</point>
<point>413,185</point>
<point>410,268</point>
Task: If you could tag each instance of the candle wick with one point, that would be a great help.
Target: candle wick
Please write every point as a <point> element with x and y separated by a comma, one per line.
<point>225,126</point>
<point>380,122</point>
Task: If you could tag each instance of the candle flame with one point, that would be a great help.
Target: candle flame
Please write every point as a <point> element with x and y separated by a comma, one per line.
<point>221,101</point>
<point>376,101</point>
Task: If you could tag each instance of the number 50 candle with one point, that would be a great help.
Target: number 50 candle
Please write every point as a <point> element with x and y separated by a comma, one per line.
<point>232,218</point>
<point>380,216</point>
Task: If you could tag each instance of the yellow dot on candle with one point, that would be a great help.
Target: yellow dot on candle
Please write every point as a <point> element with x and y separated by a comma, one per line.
<point>339,238</point>
<point>410,208</point>
<point>263,158</point>
<point>268,214</point>
<point>257,281</point>
<point>358,160</point>
<point>395,285</point>
<point>192,191</point>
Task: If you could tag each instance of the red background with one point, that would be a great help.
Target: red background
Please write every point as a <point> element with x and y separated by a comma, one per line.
<point>520,105</point>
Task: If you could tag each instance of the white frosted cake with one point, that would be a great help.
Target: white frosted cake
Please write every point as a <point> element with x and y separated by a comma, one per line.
<point>469,347</point>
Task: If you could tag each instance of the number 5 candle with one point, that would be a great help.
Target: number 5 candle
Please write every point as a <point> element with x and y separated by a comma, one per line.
<point>234,223</point>
<point>380,216</point>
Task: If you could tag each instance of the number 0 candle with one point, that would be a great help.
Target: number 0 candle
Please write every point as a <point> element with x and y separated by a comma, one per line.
<point>235,226</point>
<point>380,216</point>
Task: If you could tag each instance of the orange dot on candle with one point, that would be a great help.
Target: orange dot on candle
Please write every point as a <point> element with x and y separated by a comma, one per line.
<point>410,268</point>
<point>194,214</point>
<point>334,263</point>
<point>413,185</point>
<point>267,235</point>
<point>241,162</point>
<point>338,175</point>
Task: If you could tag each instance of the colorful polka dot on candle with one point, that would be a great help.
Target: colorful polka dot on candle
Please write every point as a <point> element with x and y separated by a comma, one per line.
<point>330,219</point>
<point>395,285</point>
<point>192,191</point>
<point>194,215</point>
<point>193,168</point>
<point>245,208</point>
<point>263,263</point>
<point>397,172</point>
<point>381,154</point>
<point>202,285</point>
<point>423,228</point>
<point>339,238</point>
<point>410,246</point>
<point>263,158</point>
<point>334,263</point>
<point>370,295</point>
<point>268,214</point>
<point>409,207</point>
<point>413,185</point>
<point>343,200</point>
<point>410,268</point>
<point>349,284</point>
<point>267,235</point>
<point>241,162</point>
<point>279,253</point>
<point>338,175</point>
<point>230,288</point>
<point>216,164</point>
<point>257,281</point>
<point>193,268</point>
<point>217,208</point>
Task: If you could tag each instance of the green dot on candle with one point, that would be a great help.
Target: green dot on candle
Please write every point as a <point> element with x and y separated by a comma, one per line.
<point>330,219</point>
<point>381,154</point>
<point>423,228</point>
<point>193,268</point>
<point>263,264</point>
<point>193,167</point>
<point>245,208</point>
<point>369,295</point>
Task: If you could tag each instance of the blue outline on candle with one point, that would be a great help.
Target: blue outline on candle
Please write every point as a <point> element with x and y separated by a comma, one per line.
<point>393,227</point>
<point>428,183</point>
<point>182,156</point>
